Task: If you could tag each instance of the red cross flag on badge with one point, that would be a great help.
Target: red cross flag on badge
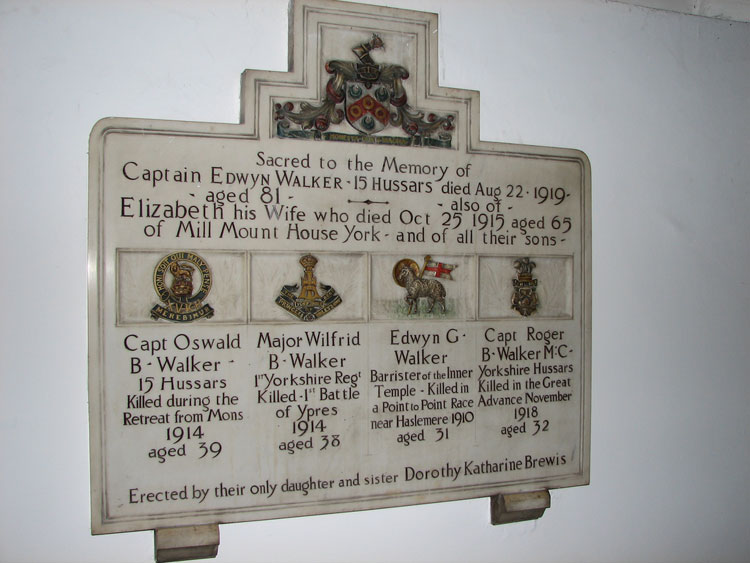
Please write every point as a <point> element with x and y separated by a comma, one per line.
<point>437,269</point>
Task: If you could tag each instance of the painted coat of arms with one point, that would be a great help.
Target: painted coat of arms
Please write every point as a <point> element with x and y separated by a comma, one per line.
<point>373,98</point>
<point>308,304</point>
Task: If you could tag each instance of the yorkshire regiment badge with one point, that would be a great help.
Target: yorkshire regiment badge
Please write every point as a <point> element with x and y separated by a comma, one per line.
<point>173,281</point>
<point>419,285</point>
<point>308,304</point>
<point>373,97</point>
<point>525,299</point>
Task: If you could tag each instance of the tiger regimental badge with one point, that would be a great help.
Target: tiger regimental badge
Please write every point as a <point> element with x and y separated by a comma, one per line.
<point>308,304</point>
<point>524,300</point>
<point>174,283</point>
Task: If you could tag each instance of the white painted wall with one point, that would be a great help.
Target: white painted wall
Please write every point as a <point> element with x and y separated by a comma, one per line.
<point>737,10</point>
<point>659,101</point>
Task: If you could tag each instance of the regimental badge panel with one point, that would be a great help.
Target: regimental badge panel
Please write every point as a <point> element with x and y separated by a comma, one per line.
<point>348,303</point>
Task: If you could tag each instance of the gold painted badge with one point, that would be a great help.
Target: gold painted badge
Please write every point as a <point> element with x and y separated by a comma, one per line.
<point>175,283</point>
<point>525,299</point>
<point>309,304</point>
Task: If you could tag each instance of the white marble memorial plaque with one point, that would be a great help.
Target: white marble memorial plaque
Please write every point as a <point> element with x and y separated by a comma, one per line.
<point>346,301</point>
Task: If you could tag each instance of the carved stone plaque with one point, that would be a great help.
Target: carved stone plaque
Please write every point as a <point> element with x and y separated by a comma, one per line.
<point>346,301</point>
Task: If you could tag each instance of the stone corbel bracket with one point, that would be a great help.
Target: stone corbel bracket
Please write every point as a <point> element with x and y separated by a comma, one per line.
<point>186,543</point>
<point>518,507</point>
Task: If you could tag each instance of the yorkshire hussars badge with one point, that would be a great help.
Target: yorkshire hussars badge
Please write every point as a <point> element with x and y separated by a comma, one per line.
<point>309,304</point>
<point>525,299</point>
<point>182,280</point>
<point>374,99</point>
<point>418,283</point>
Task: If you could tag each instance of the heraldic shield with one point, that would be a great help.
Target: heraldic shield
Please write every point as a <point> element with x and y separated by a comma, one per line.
<point>374,99</point>
<point>368,106</point>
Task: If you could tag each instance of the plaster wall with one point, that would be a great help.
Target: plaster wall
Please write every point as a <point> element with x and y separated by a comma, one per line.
<point>658,101</point>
